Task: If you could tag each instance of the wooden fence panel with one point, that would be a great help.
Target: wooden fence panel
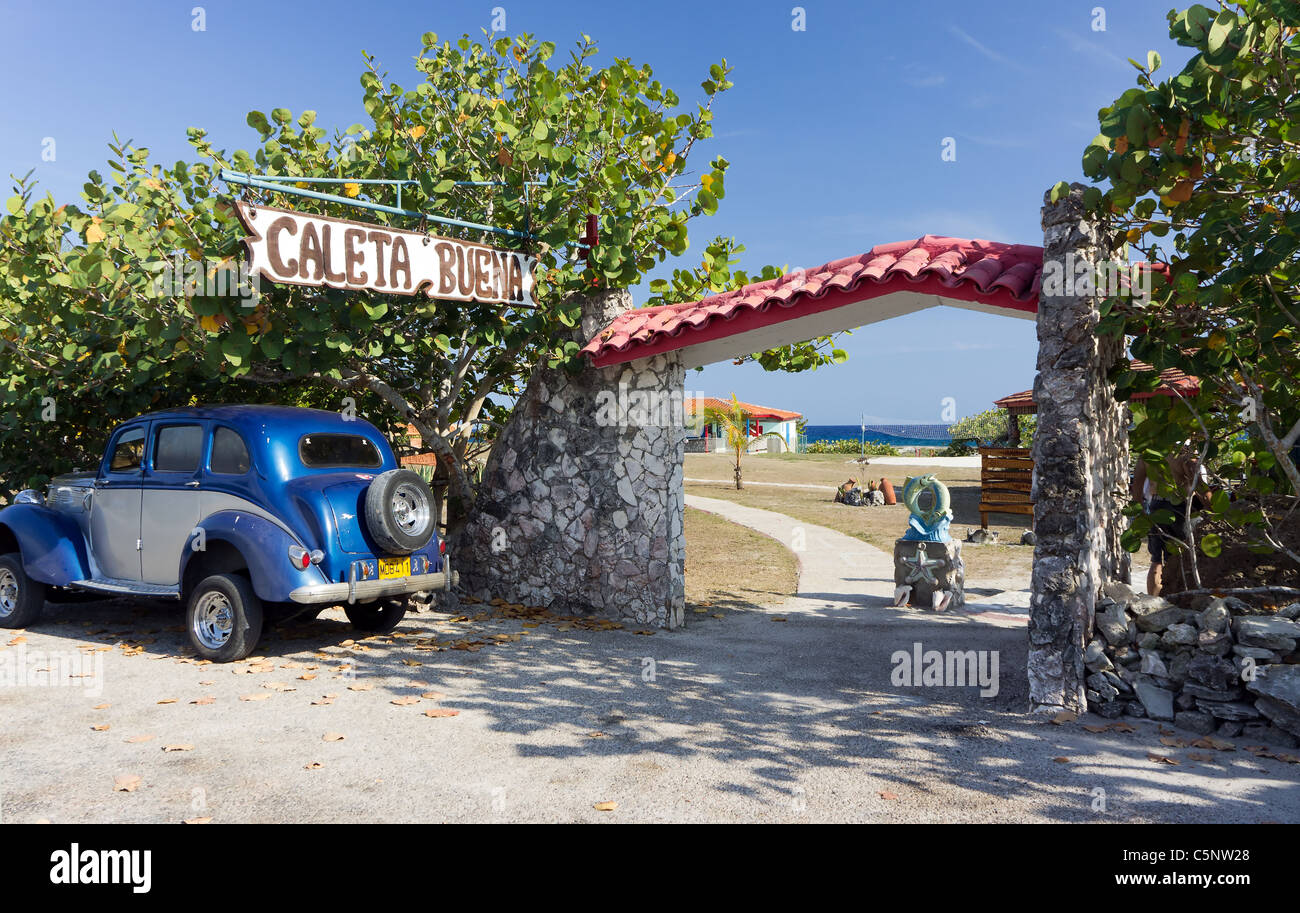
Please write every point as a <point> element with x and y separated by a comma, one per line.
<point>1006,477</point>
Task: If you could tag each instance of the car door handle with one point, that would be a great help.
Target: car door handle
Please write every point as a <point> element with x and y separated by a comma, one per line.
<point>100,483</point>
<point>192,484</point>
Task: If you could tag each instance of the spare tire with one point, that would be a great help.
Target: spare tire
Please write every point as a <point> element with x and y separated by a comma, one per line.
<point>399,511</point>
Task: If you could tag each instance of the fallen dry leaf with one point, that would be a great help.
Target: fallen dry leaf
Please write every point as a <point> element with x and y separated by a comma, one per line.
<point>1061,760</point>
<point>137,739</point>
<point>126,783</point>
<point>101,706</point>
<point>1210,741</point>
<point>333,737</point>
<point>605,806</point>
<point>405,701</point>
<point>204,701</point>
<point>314,765</point>
<point>168,700</point>
<point>886,794</point>
<point>255,697</point>
<point>1200,756</point>
<point>1065,716</point>
<point>197,821</point>
<point>1091,728</point>
<point>433,695</point>
<point>1161,759</point>
<point>307,677</point>
<point>102,727</point>
<point>360,686</point>
<point>178,748</point>
<point>436,712</point>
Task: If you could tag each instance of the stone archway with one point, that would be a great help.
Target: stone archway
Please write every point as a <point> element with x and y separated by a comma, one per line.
<point>581,505</point>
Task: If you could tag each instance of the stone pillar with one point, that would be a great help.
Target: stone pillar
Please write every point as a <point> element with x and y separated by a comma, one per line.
<point>1080,459</point>
<point>581,505</point>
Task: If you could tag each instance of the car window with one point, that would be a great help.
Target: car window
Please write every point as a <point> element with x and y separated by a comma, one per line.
<point>229,454</point>
<point>128,451</point>
<point>318,451</point>
<point>177,448</point>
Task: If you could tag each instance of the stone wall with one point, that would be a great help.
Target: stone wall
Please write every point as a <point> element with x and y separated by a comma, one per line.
<point>1215,665</point>
<point>581,505</point>
<point>1080,461</point>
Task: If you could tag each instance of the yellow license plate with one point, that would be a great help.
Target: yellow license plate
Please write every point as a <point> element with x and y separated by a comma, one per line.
<point>394,567</point>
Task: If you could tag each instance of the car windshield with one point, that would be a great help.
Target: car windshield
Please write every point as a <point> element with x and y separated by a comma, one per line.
<point>320,451</point>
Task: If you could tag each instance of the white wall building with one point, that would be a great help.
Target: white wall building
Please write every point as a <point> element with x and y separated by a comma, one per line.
<point>709,437</point>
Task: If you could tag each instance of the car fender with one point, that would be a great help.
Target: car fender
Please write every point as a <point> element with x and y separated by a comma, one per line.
<point>264,547</point>
<point>51,543</point>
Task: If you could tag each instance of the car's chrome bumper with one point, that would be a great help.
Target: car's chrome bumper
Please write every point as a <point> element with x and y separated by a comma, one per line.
<point>370,590</point>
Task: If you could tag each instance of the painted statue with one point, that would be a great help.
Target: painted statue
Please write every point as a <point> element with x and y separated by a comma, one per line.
<point>928,568</point>
<point>927,525</point>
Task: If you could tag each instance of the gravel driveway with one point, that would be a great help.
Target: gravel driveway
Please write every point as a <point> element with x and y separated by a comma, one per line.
<point>742,717</point>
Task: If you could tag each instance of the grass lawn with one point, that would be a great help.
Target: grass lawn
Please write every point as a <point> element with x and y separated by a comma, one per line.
<point>729,566</point>
<point>878,526</point>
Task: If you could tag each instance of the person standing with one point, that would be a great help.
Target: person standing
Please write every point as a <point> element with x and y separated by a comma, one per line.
<point>1185,468</point>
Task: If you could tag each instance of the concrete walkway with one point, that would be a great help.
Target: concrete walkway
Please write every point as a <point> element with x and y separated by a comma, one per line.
<point>840,571</point>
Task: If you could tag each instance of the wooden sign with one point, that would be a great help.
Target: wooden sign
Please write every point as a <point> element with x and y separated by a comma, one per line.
<point>300,249</point>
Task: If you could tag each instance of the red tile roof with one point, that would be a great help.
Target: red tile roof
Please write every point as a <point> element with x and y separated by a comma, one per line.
<point>1171,379</point>
<point>1004,275</point>
<point>695,404</point>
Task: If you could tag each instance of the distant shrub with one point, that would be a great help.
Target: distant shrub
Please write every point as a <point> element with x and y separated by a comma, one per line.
<point>958,448</point>
<point>851,446</point>
<point>990,426</point>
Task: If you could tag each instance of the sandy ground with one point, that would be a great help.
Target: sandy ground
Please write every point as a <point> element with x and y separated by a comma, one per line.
<point>789,714</point>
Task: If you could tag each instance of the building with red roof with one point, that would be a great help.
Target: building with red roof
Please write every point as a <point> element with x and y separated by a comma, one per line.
<point>709,437</point>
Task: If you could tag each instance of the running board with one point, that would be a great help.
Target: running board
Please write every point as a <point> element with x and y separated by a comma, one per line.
<point>129,587</point>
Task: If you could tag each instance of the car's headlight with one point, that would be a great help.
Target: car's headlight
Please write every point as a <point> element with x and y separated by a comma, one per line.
<point>29,496</point>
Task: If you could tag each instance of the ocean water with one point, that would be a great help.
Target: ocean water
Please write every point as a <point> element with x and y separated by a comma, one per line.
<point>898,435</point>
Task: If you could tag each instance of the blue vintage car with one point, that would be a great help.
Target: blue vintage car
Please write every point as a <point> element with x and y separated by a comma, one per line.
<point>233,511</point>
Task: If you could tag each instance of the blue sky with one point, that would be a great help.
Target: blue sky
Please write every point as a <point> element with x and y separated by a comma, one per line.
<point>834,133</point>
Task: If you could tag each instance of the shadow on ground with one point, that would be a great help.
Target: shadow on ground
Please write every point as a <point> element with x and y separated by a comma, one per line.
<point>750,715</point>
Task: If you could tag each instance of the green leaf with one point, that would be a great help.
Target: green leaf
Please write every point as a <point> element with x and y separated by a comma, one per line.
<point>1212,545</point>
<point>1222,28</point>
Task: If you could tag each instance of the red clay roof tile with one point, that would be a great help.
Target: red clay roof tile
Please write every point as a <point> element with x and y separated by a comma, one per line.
<point>1005,275</point>
<point>1171,379</point>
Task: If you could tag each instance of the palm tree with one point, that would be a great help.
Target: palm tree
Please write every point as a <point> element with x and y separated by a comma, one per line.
<point>734,422</point>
